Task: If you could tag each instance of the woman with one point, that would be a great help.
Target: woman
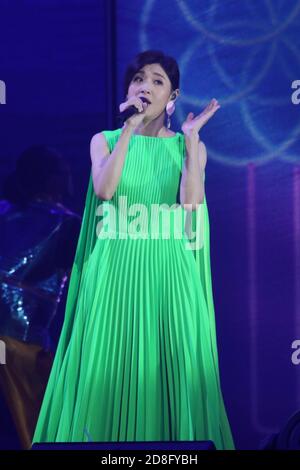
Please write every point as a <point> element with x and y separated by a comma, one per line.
<point>137,357</point>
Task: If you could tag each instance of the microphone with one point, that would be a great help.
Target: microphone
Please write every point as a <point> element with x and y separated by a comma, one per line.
<point>130,111</point>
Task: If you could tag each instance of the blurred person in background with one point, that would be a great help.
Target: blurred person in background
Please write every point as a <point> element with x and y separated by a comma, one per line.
<point>38,238</point>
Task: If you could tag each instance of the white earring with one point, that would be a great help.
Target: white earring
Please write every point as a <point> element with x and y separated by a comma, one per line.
<point>170,108</point>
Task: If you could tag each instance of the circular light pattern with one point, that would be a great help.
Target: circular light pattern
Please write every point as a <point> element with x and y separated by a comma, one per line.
<point>271,29</point>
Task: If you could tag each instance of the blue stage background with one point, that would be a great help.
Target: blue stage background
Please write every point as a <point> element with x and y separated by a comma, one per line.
<point>63,64</point>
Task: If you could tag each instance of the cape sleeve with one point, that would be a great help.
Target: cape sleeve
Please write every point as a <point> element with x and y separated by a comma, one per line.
<point>197,227</point>
<point>86,242</point>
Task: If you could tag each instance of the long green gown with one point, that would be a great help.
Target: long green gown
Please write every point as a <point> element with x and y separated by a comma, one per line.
<point>137,357</point>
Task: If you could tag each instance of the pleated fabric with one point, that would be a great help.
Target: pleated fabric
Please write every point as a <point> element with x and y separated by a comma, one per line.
<point>137,357</point>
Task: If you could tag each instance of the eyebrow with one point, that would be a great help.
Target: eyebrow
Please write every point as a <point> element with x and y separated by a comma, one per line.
<point>154,73</point>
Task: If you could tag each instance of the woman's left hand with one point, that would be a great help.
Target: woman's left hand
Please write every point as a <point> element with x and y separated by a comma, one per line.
<point>192,125</point>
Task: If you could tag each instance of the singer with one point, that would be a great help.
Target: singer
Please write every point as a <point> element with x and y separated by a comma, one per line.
<point>137,358</point>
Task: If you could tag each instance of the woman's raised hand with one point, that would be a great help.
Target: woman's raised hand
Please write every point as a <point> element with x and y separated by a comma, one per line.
<point>192,125</point>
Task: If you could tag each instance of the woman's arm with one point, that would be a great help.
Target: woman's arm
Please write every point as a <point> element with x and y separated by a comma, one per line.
<point>107,168</point>
<point>192,179</point>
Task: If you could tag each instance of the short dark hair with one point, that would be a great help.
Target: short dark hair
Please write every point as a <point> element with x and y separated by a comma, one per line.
<point>152,56</point>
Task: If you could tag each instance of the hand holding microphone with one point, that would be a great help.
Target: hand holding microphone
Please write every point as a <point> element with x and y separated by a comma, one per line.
<point>133,110</point>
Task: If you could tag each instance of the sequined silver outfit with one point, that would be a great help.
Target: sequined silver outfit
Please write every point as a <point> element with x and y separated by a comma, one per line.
<point>37,247</point>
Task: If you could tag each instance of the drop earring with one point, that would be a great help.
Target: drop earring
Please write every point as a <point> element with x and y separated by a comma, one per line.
<point>170,108</point>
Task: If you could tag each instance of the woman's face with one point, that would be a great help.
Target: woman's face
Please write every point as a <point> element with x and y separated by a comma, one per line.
<point>152,82</point>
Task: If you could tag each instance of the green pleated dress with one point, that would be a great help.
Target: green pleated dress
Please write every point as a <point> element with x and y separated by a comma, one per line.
<point>137,357</point>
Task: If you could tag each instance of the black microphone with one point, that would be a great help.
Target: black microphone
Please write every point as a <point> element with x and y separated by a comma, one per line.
<point>128,112</point>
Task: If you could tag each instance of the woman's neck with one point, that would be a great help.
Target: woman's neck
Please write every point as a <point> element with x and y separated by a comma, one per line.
<point>153,128</point>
